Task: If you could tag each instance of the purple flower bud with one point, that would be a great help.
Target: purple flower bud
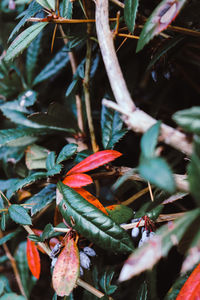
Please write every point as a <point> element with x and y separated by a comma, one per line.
<point>81,271</point>
<point>84,260</point>
<point>135,232</point>
<point>89,251</point>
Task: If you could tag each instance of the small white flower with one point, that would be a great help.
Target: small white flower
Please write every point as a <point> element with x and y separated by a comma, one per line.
<point>84,260</point>
<point>89,251</point>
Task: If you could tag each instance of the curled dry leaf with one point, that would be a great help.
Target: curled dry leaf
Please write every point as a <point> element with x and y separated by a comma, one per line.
<point>33,258</point>
<point>161,17</point>
<point>66,270</point>
<point>77,180</point>
<point>92,199</point>
<point>191,288</point>
<point>94,161</point>
<point>142,259</point>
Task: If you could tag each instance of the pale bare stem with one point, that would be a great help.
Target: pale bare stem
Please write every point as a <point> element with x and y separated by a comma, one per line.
<point>180,180</point>
<point>118,3</point>
<point>140,122</point>
<point>42,245</point>
<point>134,118</point>
<point>74,67</point>
<point>150,191</point>
<point>86,83</point>
<point>135,196</point>
<point>89,288</point>
<point>130,36</point>
<point>14,267</point>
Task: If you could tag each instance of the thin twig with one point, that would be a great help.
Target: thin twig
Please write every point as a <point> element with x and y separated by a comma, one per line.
<point>86,87</point>
<point>65,21</point>
<point>161,218</point>
<point>180,180</point>
<point>135,196</point>
<point>150,191</point>
<point>89,288</point>
<point>14,267</point>
<point>130,36</point>
<point>74,67</point>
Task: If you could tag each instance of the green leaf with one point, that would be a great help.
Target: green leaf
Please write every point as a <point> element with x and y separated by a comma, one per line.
<point>67,9</point>
<point>92,223</point>
<point>28,280</point>
<point>36,157</point>
<point>67,152</point>
<point>23,40</point>
<point>19,214</point>
<point>130,11</point>
<point>51,160</point>
<point>58,62</point>
<point>51,165</point>
<point>157,172</point>
<point>160,18</point>
<point>42,199</point>
<point>142,292</point>
<point>6,283</point>
<point>3,222</point>
<point>163,49</point>
<point>19,136</point>
<point>119,213</point>
<point>56,118</point>
<point>111,127</point>
<point>9,236</point>
<point>193,177</point>
<point>32,9</point>
<point>189,119</point>
<point>35,238</point>
<point>149,141</point>
<point>105,282</point>
<point>32,57</point>
<point>150,253</point>
<point>23,182</point>
<point>48,232</point>
<point>12,296</point>
<point>50,4</point>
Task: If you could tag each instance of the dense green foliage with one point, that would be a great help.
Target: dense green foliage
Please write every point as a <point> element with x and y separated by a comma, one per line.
<point>50,101</point>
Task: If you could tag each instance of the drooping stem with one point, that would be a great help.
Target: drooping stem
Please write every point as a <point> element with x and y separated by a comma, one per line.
<point>14,267</point>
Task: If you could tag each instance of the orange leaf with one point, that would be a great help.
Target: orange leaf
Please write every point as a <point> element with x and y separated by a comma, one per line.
<point>66,270</point>
<point>33,258</point>
<point>191,288</point>
<point>92,199</point>
<point>94,161</point>
<point>77,180</point>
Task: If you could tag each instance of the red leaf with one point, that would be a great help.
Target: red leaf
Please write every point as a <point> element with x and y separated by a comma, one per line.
<point>66,270</point>
<point>92,199</point>
<point>94,161</point>
<point>191,288</point>
<point>33,258</point>
<point>77,180</point>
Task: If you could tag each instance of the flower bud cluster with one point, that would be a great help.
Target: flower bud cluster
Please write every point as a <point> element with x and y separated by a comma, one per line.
<point>85,261</point>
